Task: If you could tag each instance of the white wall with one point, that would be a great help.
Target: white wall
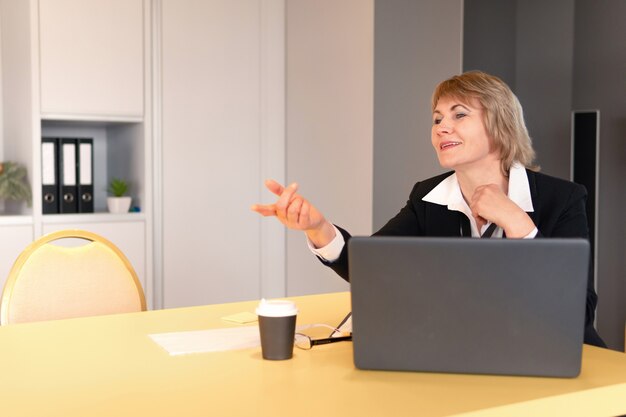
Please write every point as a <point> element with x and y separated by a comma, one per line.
<point>1,104</point>
<point>330,146</point>
<point>16,64</point>
<point>212,112</point>
<point>329,124</point>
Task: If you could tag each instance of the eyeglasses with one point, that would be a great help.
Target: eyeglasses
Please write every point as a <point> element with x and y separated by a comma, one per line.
<point>305,342</point>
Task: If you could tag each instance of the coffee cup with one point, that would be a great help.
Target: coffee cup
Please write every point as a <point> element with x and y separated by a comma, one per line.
<point>277,326</point>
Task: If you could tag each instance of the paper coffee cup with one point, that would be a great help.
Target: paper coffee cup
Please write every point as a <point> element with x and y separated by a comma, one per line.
<point>277,326</point>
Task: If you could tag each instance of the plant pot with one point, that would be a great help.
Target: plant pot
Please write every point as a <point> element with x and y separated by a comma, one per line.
<point>118,204</point>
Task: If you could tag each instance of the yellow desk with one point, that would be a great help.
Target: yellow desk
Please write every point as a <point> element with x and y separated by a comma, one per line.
<point>108,366</point>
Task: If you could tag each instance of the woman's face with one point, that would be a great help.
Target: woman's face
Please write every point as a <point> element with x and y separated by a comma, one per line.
<point>459,135</point>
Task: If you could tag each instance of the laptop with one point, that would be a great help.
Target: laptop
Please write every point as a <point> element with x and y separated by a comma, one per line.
<point>462,305</point>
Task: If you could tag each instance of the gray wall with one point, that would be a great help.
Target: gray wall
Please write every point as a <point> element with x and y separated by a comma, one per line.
<point>600,83</point>
<point>489,38</point>
<point>565,55</point>
<point>529,44</point>
<point>412,54</point>
<point>543,78</point>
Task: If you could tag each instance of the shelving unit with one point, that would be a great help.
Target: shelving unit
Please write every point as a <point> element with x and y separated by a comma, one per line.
<point>72,68</point>
<point>118,153</point>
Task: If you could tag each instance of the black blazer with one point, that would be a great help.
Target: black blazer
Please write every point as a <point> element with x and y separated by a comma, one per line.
<point>559,212</point>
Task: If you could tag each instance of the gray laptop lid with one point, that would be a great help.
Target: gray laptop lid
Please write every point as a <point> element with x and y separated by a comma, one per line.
<point>492,306</point>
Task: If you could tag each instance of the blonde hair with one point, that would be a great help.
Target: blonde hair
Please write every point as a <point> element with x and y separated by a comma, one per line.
<point>503,115</point>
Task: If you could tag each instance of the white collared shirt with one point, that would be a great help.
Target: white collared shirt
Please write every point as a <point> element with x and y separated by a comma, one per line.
<point>448,193</point>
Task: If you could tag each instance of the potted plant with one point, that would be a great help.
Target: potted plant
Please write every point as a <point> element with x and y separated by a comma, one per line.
<point>118,202</point>
<point>13,183</point>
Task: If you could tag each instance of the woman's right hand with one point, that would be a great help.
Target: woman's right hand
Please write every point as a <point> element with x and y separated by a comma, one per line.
<point>297,213</point>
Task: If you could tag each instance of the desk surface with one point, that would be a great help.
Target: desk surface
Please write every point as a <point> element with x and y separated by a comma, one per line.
<point>109,366</point>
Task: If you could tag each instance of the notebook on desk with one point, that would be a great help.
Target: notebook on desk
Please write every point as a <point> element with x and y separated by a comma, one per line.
<point>486,306</point>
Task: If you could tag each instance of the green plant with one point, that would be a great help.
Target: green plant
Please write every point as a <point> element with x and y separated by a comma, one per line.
<point>13,183</point>
<point>118,187</point>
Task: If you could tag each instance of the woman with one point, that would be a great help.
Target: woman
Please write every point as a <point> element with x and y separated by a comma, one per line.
<point>479,133</point>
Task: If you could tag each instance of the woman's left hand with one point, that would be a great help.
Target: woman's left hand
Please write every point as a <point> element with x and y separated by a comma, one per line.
<point>490,203</point>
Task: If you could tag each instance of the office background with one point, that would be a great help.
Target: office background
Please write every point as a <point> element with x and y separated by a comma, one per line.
<point>336,95</point>
<point>557,56</point>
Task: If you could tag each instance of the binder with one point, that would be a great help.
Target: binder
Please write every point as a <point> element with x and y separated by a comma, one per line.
<point>85,175</point>
<point>68,169</point>
<point>49,176</point>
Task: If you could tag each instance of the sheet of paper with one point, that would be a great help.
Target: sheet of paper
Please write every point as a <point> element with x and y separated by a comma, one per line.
<point>241,318</point>
<point>214,340</point>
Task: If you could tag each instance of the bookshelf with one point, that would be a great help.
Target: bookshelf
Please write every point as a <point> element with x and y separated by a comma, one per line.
<point>72,68</point>
<point>118,153</point>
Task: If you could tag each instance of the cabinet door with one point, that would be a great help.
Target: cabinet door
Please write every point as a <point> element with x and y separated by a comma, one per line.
<point>91,57</point>
<point>211,143</point>
<point>15,238</point>
<point>129,237</point>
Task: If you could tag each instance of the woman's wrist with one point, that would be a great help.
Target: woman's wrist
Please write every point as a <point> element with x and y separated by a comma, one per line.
<point>322,235</point>
<point>520,227</point>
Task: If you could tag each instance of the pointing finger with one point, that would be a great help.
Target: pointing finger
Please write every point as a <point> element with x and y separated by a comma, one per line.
<point>264,210</point>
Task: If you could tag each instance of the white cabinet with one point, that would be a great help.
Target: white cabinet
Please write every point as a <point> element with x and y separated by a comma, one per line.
<point>91,57</point>
<point>15,238</point>
<point>80,68</point>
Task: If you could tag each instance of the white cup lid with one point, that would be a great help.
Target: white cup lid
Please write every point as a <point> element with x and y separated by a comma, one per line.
<point>276,308</point>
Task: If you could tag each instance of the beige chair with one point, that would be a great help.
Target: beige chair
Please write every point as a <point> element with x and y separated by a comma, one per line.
<point>49,281</point>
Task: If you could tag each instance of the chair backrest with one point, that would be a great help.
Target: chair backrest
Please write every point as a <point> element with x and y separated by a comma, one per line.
<point>49,282</point>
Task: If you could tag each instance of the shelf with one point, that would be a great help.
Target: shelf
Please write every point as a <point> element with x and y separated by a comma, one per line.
<point>89,119</point>
<point>102,217</point>
<point>12,220</point>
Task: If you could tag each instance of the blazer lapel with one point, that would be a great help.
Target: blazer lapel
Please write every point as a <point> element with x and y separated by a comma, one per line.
<point>466,229</point>
<point>445,223</point>
<point>534,215</point>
